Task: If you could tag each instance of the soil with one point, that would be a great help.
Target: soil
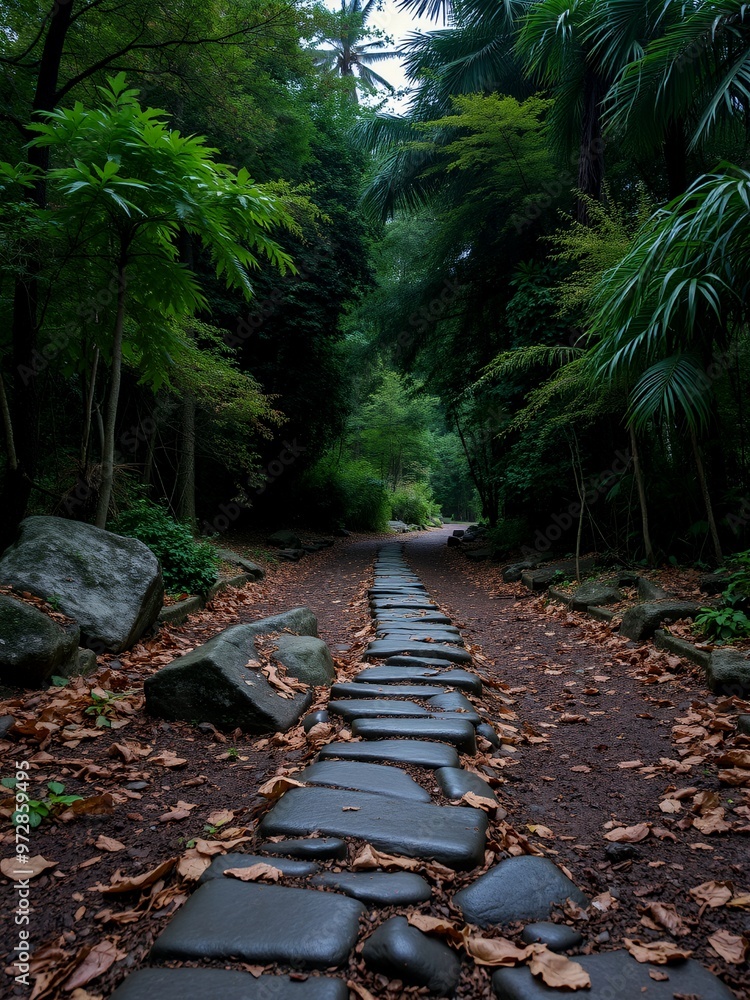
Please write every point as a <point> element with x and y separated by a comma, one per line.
<point>614,735</point>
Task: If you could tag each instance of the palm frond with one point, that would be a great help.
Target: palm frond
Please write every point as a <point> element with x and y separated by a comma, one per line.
<point>673,387</point>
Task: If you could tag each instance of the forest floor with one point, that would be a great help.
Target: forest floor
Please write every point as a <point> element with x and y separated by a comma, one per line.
<point>621,745</point>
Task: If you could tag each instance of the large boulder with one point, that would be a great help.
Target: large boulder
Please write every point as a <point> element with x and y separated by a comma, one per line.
<point>285,539</point>
<point>728,672</point>
<point>33,646</point>
<point>552,573</point>
<point>399,527</point>
<point>594,594</point>
<point>252,569</point>
<point>110,585</point>
<point>650,591</point>
<point>214,683</point>
<point>306,658</point>
<point>640,622</point>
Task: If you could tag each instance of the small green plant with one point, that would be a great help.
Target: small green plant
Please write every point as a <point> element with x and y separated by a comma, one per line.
<point>233,753</point>
<point>188,566</point>
<point>723,625</point>
<point>40,809</point>
<point>104,706</point>
<point>54,602</point>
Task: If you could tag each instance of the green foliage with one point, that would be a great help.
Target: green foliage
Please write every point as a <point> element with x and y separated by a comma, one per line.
<point>346,492</point>
<point>188,566</point>
<point>511,533</point>
<point>414,503</point>
<point>40,809</point>
<point>104,707</point>
<point>722,625</point>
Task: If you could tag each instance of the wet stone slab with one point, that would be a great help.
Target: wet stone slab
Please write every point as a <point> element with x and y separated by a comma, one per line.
<point>254,923</point>
<point>451,701</point>
<point>381,649</point>
<point>361,708</point>
<point>211,984</point>
<point>522,888</point>
<point>376,778</point>
<point>557,937</point>
<point>455,783</point>
<point>378,888</point>
<point>615,975</point>
<point>455,731</point>
<point>452,835</point>
<point>419,752</point>
<point>319,848</point>
<point>429,633</point>
<point>292,869</point>
<point>352,690</point>
<point>402,603</point>
<point>445,677</point>
<point>400,951</point>
<point>411,617</point>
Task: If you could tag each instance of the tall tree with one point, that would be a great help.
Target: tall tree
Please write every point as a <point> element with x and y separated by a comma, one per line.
<point>351,47</point>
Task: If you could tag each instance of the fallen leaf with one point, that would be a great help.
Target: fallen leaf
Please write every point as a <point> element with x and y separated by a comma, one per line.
<point>495,952</point>
<point>483,802</point>
<point>627,764</point>
<point>665,915</point>
<point>192,865</point>
<point>220,817</point>
<point>13,869</point>
<point>434,925</point>
<point>125,883</point>
<point>95,961</point>
<point>370,858</point>
<point>628,834</point>
<point>712,893</point>
<point>658,976</point>
<point>108,844</point>
<point>557,970</point>
<point>604,901</point>
<point>541,831</point>
<point>361,992</point>
<point>274,788</point>
<point>569,718</point>
<point>743,901</point>
<point>730,947</point>
<point>168,758</point>
<point>658,952</point>
<point>255,873</point>
<point>95,805</point>
<point>581,768</point>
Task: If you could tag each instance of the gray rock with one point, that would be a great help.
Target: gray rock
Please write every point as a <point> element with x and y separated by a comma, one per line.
<point>378,779</point>
<point>341,533</point>
<point>453,542</point>
<point>252,569</point>
<point>615,975</point>
<point>306,658</point>
<point>33,646</point>
<point>226,919</point>
<point>650,591</point>
<point>366,708</point>
<point>399,527</point>
<point>522,888</point>
<point>455,783</point>
<point>728,672</point>
<point>459,533</point>
<point>540,579</point>
<point>290,555</point>
<point>6,724</point>
<point>381,649</point>
<point>557,937</point>
<point>455,731</point>
<point>453,835</point>
<point>478,555</point>
<point>202,984</point>
<point>314,719</point>
<point>411,618</point>
<point>461,679</point>
<point>514,572</point>
<point>112,586</point>
<point>713,583</point>
<point>351,689</point>
<point>486,730</point>
<point>378,888</point>
<point>620,852</point>
<point>292,869</point>
<point>285,539</point>
<point>594,594</point>
<point>317,848</point>
<point>640,622</point>
<point>452,701</point>
<point>419,752</point>
<point>743,724</point>
<point>402,603</point>
<point>212,683</point>
<point>400,951</point>
<point>86,663</point>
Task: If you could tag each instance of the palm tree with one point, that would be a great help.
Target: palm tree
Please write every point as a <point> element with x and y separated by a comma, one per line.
<point>352,49</point>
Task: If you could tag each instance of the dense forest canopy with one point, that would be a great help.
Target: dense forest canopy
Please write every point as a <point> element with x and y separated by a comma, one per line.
<point>237,284</point>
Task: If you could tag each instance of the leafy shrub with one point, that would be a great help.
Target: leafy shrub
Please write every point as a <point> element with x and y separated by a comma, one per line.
<point>509,534</point>
<point>414,503</point>
<point>187,565</point>
<point>723,625</point>
<point>346,492</point>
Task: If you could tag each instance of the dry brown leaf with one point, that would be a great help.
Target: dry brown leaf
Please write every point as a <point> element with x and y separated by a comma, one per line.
<point>192,865</point>
<point>13,869</point>
<point>495,952</point>
<point>730,947</point>
<point>658,952</point>
<point>255,873</point>
<point>628,834</point>
<point>93,962</point>
<point>95,805</point>
<point>627,764</point>
<point>569,717</point>
<point>124,883</point>
<point>168,758</point>
<point>658,976</point>
<point>556,970</point>
<point>581,769</point>
<point>712,822</point>
<point>665,915</point>
<point>479,801</point>
<point>541,831</point>
<point>220,817</point>
<point>359,991</point>
<point>712,893</point>
<point>370,858</point>
<point>274,788</point>
<point>743,900</point>
<point>434,925</point>
<point>604,901</point>
<point>108,844</point>
<point>670,806</point>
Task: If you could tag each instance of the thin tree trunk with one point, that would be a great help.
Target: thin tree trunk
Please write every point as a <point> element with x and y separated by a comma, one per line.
<point>10,444</point>
<point>638,472</point>
<point>675,158</point>
<point>591,157</point>
<point>706,497</point>
<point>108,451</point>
<point>186,467</point>
<point>88,413</point>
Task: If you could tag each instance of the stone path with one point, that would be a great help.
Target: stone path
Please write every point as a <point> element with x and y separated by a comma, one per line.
<point>361,790</point>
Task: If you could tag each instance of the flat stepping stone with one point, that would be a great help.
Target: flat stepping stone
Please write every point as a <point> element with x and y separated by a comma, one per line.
<point>371,708</point>
<point>350,689</point>
<point>320,848</point>
<point>226,919</point>
<point>522,888</point>
<point>419,752</point>
<point>486,730</point>
<point>471,717</point>
<point>434,662</point>
<point>292,869</point>
<point>429,634</point>
<point>453,835</point>
<point>445,677</point>
<point>455,783</point>
<point>378,888</point>
<point>205,984</point>
<point>376,778</point>
<point>430,618</point>
<point>456,731</point>
<point>557,937</point>
<point>452,701</point>
<point>400,951</point>
<point>380,649</point>
<point>615,975</point>
<point>403,604</point>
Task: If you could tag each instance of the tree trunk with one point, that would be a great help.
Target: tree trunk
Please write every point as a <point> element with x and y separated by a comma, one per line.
<point>186,467</point>
<point>706,497</point>
<point>591,157</point>
<point>25,322</point>
<point>675,158</point>
<point>108,450</point>
<point>88,413</point>
<point>638,472</point>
